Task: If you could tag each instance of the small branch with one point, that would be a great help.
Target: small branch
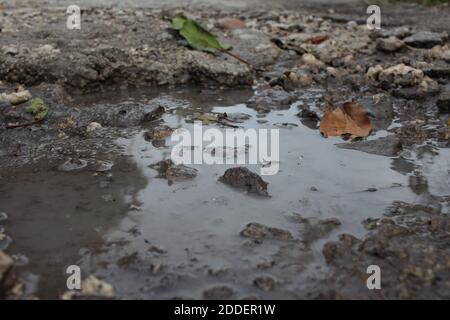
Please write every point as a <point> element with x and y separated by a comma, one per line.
<point>21,125</point>
<point>240,59</point>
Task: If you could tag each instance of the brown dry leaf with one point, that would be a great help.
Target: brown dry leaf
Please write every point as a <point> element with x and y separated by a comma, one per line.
<point>350,119</point>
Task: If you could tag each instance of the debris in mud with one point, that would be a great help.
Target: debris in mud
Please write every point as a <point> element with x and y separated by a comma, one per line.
<point>426,39</point>
<point>389,146</point>
<point>218,293</point>
<point>158,133</point>
<point>256,230</point>
<point>313,229</point>
<point>243,178</point>
<point>153,115</point>
<point>265,283</point>
<point>350,119</point>
<point>211,117</point>
<point>413,132</point>
<point>169,170</point>
<point>73,164</point>
<point>91,288</point>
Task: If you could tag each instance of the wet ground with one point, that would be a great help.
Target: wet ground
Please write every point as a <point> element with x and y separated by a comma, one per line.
<point>77,193</point>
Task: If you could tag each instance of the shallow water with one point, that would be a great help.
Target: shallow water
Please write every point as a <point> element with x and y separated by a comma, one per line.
<point>184,238</point>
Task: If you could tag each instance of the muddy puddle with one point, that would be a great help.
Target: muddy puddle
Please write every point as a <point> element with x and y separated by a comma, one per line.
<point>154,239</point>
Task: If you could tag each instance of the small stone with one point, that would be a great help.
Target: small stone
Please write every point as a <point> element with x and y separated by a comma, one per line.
<point>443,102</point>
<point>6,263</point>
<point>73,165</point>
<point>390,44</point>
<point>260,231</point>
<point>265,283</point>
<point>3,216</point>
<point>16,97</point>
<point>312,62</point>
<point>216,293</point>
<point>154,114</point>
<point>426,39</point>
<point>387,146</point>
<point>93,126</point>
<point>243,178</point>
<point>92,288</point>
<point>402,74</point>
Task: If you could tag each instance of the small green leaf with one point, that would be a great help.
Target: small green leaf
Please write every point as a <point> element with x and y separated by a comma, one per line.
<point>198,37</point>
<point>38,109</point>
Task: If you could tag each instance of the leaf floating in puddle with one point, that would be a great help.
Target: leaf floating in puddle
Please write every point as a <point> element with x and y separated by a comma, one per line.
<point>349,120</point>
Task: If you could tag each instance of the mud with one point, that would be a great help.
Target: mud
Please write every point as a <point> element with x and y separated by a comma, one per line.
<point>84,185</point>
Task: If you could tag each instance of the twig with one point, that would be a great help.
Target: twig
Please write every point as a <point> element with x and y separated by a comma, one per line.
<point>21,125</point>
<point>240,59</point>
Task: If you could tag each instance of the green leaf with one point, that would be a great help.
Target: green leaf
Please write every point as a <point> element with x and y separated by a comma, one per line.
<point>198,37</point>
<point>38,109</point>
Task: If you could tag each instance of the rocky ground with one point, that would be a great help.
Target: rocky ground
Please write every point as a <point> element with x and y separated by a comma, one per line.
<point>399,74</point>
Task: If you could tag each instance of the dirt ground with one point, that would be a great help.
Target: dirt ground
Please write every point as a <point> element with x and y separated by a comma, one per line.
<point>91,183</point>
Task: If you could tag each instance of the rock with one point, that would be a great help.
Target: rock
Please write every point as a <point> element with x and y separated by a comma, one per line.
<point>218,293</point>
<point>271,99</point>
<point>294,79</point>
<point>402,75</point>
<point>93,126</point>
<point>169,170</point>
<point>309,118</point>
<point>389,146</point>
<point>413,132</point>
<point>265,283</point>
<point>391,44</point>
<point>425,39</point>
<point>16,97</point>
<point>437,69</point>
<point>380,110</point>
<point>374,72</point>
<point>260,231</point>
<point>72,165</point>
<point>158,133</point>
<point>243,178</point>
<point>398,32</point>
<point>231,23</point>
<point>91,288</point>
<point>3,216</point>
<point>313,229</point>
<point>443,102</point>
<point>6,263</point>
<point>154,114</point>
<point>312,62</point>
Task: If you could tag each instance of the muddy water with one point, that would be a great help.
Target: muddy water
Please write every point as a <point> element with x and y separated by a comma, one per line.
<point>154,239</point>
